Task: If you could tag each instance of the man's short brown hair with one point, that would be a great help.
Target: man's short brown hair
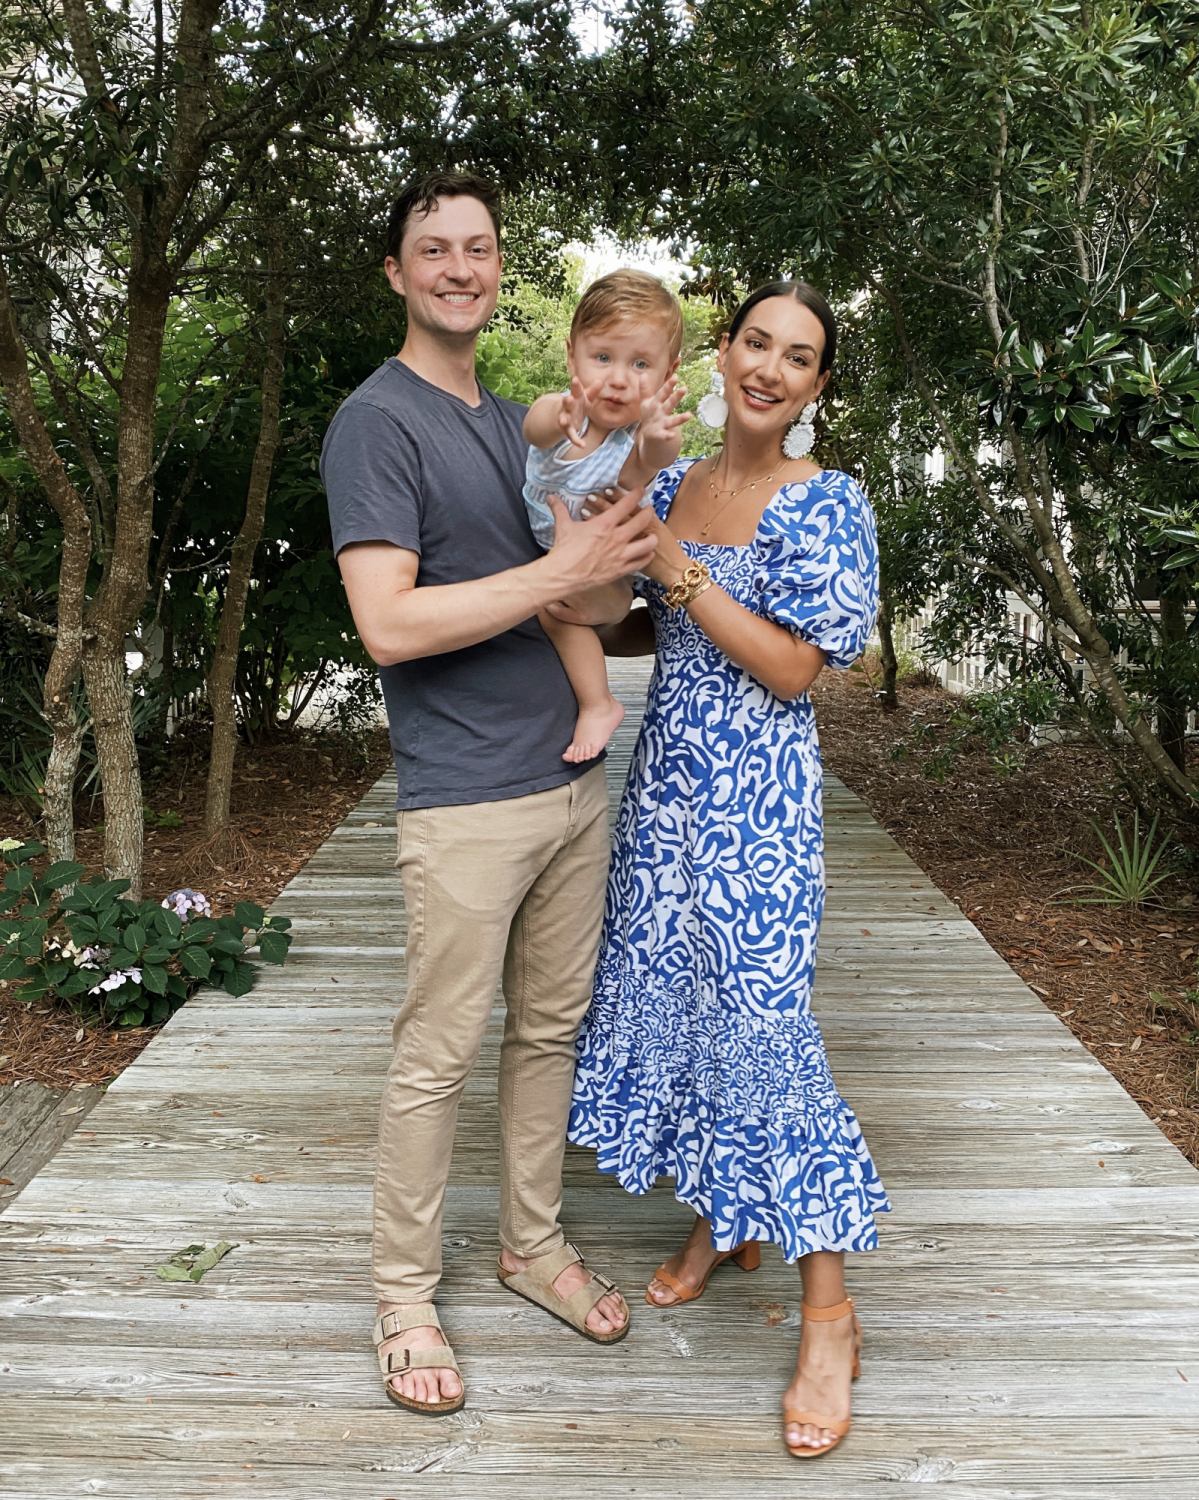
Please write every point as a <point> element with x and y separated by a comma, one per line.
<point>629,297</point>
<point>420,198</point>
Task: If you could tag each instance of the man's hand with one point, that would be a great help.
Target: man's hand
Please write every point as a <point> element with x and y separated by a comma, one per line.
<point>589,554</point>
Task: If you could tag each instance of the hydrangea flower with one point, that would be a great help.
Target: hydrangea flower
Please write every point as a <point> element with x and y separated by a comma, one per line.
<point>116,979</point>
<point>93,958</point>
<point>8,845</point>
<point>183,901</point>
<point>64,950</point>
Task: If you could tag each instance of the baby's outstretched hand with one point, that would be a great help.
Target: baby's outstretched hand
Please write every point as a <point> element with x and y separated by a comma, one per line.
<point>574,412</point>
<point>660,421</point>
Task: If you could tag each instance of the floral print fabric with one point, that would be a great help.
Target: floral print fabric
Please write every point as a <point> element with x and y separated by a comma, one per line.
<point>699,1057</point>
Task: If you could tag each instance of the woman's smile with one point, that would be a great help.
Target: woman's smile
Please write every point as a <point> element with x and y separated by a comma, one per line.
<point>759,400</point>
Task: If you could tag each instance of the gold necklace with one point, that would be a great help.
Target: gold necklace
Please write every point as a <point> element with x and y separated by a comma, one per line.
<point>733,493</point>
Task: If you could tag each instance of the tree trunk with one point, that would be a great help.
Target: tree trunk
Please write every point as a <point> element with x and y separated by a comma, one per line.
<point>223,670</point>
<point>108,695</point>
<point>58,803</point>
<point>58,793</point>
<point>1172,708</point>
<point>886,639</point>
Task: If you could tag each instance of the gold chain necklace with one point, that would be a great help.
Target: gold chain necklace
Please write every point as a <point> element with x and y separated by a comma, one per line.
<point>733,493</point>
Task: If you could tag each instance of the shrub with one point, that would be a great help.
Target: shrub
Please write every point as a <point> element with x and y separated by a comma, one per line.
<point>125,961</point>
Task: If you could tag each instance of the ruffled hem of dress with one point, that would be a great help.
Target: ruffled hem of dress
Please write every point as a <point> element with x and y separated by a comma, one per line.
<point>802,1179</point>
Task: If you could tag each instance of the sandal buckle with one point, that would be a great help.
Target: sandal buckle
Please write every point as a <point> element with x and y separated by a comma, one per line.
<point>608,1286</point>
<point>392,1355</point>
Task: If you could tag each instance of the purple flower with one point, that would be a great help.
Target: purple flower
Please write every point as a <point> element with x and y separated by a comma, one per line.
<point>183,901</point>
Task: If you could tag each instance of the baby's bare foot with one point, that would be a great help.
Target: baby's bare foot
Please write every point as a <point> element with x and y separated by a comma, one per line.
<point>595,727</point>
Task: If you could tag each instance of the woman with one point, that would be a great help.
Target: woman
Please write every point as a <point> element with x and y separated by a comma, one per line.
<point>700,1058</point>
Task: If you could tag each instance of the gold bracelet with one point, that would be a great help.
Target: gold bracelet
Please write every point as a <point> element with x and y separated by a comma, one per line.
<point>695,580</point>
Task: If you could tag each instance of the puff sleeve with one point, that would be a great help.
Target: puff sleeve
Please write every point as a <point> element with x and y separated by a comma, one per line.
<point>816,567</point>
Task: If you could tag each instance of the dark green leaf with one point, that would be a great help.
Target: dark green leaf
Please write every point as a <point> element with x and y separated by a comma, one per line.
<point>154,979</point>
<point>240,981</point>
<point>273,946</point>
<point>196,961</point>
<point>249,914</point>
<point>168,922</point>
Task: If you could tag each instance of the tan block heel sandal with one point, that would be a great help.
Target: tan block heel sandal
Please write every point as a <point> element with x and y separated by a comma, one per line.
<point>815,1418</point>
<point>747,1255</point>
<point>536,1284</point>
<point>400,1361</point>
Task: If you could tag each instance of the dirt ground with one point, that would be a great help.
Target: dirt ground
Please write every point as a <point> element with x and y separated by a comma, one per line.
<point>287,799</point>
<point>1001,844</point>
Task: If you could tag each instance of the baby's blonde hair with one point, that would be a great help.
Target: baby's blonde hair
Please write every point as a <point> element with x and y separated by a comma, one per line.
<point>629,297</point>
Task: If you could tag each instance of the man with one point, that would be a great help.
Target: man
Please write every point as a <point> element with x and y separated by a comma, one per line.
<point>502,844</point>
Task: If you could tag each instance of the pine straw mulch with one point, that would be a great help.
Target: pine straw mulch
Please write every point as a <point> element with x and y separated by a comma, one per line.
<point>288,797</point>
<point>997,845</point>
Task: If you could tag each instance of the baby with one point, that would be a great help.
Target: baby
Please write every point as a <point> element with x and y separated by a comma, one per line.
<point>615,427</point>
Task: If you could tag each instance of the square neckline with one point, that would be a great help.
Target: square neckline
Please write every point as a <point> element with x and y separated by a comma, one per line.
<point>737,546</point>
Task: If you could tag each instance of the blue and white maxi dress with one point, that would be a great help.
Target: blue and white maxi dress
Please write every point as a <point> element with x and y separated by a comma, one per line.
<point>699,1057</point>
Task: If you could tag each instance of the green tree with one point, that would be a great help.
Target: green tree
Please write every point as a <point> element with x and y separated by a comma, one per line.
<point>135,142</point>
<point>968,165</point>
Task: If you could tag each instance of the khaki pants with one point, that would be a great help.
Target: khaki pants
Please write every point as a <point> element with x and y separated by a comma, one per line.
<point>512,889</point>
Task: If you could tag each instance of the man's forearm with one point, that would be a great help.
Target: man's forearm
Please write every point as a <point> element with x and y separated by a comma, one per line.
<point>633,636</point>
<point>433,619</point>
<point>399,621</point>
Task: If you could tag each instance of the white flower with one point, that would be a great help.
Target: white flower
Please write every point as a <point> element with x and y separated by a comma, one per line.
<point>116,979</point>
<point>8,845</point>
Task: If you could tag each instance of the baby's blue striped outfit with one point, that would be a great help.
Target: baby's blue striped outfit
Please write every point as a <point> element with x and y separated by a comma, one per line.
<point>551,471</point>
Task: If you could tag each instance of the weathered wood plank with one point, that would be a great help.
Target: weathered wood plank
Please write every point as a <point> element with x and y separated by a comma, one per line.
<point>1016,1278</point>
<point>34,1123</point>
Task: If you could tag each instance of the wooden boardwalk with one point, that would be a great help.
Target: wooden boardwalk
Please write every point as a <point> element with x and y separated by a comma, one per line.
<point>1031,1321</point>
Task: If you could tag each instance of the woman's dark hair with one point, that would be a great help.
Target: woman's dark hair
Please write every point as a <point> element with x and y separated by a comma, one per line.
<point>810,298</point>
<point>420,198</point>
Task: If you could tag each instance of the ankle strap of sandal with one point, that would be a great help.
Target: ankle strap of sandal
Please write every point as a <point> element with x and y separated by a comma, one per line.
<point>419,1315</point>
<point>827,1314</point>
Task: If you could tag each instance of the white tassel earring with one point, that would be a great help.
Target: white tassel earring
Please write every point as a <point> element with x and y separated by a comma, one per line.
<point>713,409</point>
<point>802,434</point>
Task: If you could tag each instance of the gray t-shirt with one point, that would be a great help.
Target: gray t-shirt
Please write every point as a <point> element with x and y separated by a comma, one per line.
<point>408,463</point>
